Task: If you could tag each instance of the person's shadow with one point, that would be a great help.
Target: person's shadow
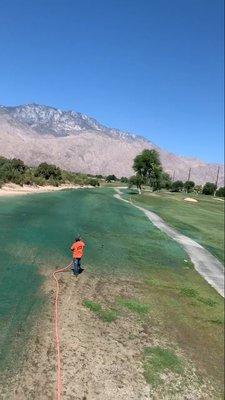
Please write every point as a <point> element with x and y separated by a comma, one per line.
<point>81,270</point>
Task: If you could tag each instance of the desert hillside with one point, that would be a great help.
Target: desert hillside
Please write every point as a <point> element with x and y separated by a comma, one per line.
<point>76,142</point>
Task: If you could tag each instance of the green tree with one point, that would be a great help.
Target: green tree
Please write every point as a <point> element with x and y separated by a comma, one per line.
<point>49,171</point>
<point>209,188</point>
<point>124,179</point>
<point>111,178</point>
<point>177,186</point>
<point>189,186</point>
<point>135,180</point>
<point>93,182</point>
<point>198,189</point>
<point>220,192</point>
<point>148,167</point>
<point>12,170</point>
<point>166,181</point>
<point>18,165</point>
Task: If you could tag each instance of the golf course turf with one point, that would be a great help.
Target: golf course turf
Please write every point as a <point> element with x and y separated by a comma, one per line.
<point>202,221</point>
<point>168,298</point>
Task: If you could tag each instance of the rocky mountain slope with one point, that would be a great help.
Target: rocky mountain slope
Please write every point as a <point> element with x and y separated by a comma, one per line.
<point>77,142</point>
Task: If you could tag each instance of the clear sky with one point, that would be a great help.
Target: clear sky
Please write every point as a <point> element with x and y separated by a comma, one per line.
<point>152,67</point>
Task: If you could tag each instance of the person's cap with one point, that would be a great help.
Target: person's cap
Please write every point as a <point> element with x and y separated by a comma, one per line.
<point>77,238</point>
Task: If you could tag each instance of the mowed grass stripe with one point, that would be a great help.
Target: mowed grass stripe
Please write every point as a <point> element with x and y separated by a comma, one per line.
<point>202,221</point>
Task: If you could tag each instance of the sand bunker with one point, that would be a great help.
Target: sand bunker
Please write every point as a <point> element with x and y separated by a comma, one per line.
<point>191,200</point>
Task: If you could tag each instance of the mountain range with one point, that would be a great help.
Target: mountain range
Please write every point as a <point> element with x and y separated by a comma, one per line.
<point>77,142</point>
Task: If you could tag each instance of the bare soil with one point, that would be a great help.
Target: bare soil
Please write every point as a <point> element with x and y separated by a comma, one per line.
<point>100,361</point>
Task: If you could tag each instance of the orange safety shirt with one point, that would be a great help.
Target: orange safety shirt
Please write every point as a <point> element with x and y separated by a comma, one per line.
<point>77,249</point>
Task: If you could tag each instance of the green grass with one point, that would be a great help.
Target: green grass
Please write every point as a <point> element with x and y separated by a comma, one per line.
<point>134,306</point>
<point>104,315</point>
<point>157,360</point>
<point>202,221</point>
<point>189,292</point>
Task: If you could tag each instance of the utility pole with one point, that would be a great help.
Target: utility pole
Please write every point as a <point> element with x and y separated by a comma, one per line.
<point>217,176</point>
<point>189,174</point>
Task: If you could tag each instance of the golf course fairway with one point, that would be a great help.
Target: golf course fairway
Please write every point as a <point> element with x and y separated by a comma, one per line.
<point>139,323</point>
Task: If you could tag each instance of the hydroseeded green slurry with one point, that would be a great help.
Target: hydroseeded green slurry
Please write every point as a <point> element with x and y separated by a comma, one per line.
<point>36,232</point>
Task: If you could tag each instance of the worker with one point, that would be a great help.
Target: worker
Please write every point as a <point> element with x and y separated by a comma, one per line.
<point>77,249</point>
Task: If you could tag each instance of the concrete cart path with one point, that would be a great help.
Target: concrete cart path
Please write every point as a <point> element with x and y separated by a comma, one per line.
<point>204,262</point>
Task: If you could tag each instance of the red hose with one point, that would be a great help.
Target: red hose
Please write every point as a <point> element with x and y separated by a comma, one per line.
<point>58,389</point>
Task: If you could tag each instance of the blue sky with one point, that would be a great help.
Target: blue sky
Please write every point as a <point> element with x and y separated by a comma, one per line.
<point>152,67</point>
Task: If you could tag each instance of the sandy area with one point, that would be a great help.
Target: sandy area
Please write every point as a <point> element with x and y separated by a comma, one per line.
<point>190,199</point>
<point>11,189</point>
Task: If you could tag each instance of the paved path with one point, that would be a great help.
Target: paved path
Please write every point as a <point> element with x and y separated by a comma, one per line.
<point>204,262</point>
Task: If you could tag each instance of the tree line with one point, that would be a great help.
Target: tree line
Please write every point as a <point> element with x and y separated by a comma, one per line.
<point>149,172</point>
<point>147,167</point>
<point>15,171</point>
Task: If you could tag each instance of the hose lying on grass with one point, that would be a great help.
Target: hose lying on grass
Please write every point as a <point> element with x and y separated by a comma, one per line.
<point>57,335</point>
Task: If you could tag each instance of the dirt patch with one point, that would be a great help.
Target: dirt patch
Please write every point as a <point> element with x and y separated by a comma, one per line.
<point>100,361</point>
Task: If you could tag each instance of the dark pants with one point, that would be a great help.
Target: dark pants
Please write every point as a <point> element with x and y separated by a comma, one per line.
<point>76,266</point>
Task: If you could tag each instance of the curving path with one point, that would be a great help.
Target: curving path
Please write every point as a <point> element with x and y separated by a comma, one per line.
<point>204,262</point>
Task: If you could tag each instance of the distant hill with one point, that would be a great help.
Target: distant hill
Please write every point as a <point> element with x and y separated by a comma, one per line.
<point>77,142</point>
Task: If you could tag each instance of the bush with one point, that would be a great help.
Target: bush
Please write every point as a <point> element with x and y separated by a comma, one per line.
<point>93,182</point>
<point>189,186</point>
<point>124,179</point>
<point>110,178</point>
<point>17,172</point>
<point>177,186</point>
<point>209,188</point>
<point>18,165</point>
<point>166,182</point>
<point>198,189</point>
<point>220,192</point>
<point>39,181</point>
<point>48,171</point>
<point>53,182</point>
<point>12,170</point>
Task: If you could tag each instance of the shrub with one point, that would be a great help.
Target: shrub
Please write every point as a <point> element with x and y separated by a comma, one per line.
<point>220,192</point>
<point>38,180</point>
<point>209,188</point>
<point>93,182</point>
<point>48,171</point>
<point>124,179</point>
<point>177,186</point>
<point>189,186</point>
<point>110,178</point>
<point>198,189</point>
